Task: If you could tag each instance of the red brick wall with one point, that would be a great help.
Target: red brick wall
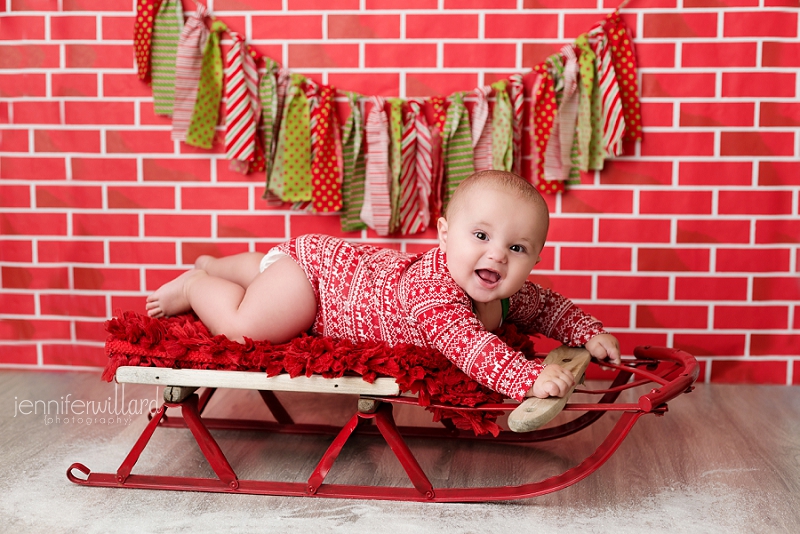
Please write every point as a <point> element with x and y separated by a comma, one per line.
<point>692,240</point>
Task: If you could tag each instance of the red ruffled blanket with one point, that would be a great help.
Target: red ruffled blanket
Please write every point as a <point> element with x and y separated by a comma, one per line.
<point>183,342</point>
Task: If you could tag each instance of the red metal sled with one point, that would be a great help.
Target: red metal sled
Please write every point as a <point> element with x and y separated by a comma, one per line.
<point>671,371</point>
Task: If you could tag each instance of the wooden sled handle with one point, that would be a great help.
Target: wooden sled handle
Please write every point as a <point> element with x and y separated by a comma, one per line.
<point>533,412</point>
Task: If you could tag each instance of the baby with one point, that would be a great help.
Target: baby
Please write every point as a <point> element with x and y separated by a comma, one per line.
<point>450,298</point>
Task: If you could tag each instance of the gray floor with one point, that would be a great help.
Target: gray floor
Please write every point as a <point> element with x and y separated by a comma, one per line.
<point>724,459</point>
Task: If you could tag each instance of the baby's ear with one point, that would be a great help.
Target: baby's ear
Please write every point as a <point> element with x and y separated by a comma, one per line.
<point>441,226</point>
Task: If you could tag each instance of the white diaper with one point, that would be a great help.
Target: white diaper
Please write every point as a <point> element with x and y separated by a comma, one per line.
<point>271,257</point>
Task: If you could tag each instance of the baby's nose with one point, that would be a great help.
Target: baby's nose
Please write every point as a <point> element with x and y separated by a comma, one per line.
<point>498,254</point>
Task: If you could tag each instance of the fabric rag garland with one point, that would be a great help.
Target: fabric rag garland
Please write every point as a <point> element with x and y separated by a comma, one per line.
<point>395,171</point>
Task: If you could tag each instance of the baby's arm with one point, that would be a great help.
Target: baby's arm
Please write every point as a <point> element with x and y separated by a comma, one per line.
<point>538,310</point>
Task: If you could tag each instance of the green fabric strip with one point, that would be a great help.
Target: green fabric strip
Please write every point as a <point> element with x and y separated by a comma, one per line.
<point>164,52</point>
<point>296,139</point>
<point>202,128</point>
<point>268,95</point>
<point>502,131</point>
<point>596,152</point>
<point>457,146</point>
<point>355,169</point>
<point>586,87</point>
<point>395,158</point>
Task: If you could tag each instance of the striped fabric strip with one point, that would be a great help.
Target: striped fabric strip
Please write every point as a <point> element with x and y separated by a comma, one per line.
<point>423,163</point>
<point>163,54</point>
<point>258,163</point>
<point>553,168</point>
<point>534,136</point>
<point>517,94</point>
<point>624,60</point>
<point>568,115</point>
<point>338,148</point>
<point>409,219</point>
<point>613,120</point>
<point>574,177</point>
<point>502,131</point>
<point>143,36</point>
<point>312,98</point>
<point>586,95</point>
<point>187,71</point>
<point>242,106</point>
<point>377,209</point>
<point>284,79</point>
<point>395,158</point>
<point>542,118</point>
<point>268,96</point>
<point>439,107</point>
<point>480,112</point>
<point>354,167</point>
<point>457,146</point>
<point>482,130</point>
<point>202,128</point>
<point>325,170</point>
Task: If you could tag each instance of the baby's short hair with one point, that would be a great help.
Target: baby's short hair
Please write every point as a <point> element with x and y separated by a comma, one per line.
<point>504,180</point>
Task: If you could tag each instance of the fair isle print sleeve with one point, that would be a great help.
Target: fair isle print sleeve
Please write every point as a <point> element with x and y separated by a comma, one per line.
<point>442,311</point>
<point>536,310</point>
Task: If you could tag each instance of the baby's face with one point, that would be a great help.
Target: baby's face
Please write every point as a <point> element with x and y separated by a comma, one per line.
<point>492,242</point>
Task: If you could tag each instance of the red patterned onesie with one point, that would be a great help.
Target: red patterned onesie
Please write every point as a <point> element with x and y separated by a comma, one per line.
<point>367,293</point>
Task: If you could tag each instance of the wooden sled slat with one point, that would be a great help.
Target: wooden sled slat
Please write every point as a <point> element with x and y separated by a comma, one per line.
<point>533,412</point>
<point>162,376</point>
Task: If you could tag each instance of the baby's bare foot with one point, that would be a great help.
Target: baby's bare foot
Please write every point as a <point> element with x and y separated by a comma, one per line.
<point>170,299</point>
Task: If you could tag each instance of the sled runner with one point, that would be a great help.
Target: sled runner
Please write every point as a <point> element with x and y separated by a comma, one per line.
<point>152,358</point>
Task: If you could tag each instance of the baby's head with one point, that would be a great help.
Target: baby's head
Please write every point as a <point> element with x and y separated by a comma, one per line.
<point>493,230</point>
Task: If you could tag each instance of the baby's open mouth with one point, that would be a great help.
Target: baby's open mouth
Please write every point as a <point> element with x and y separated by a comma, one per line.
<point>488,276</point>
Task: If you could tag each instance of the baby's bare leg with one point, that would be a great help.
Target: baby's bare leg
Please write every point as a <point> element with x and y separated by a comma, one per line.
<point>238,268</point>
<point>171,299</point>
<point>277,305</point>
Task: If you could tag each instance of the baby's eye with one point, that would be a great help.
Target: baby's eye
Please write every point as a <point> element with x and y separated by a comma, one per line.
<point>517,248</point>
<point>481,235</point>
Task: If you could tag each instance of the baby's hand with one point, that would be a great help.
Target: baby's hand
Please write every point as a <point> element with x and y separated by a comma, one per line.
<point>604,346</point>
<point>553,381</point>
